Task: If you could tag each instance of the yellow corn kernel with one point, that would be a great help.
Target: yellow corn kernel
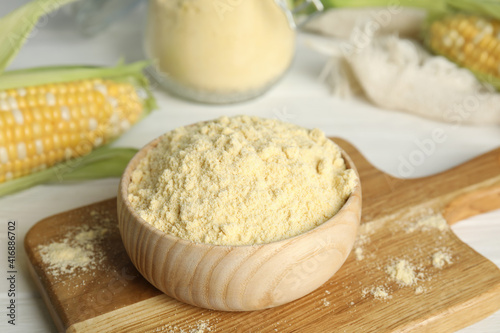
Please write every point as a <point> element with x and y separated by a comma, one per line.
<point>62,126</point>
<point>22,102</point>
<point>18,134</point>
<point>47,144</point>
<point>8,167</point>
<point>46,112</point>
<point>8,135</point>
<point>8,119</point>
<point>73,140</point>
<point>17,166</point>
<point>35,162</point>
<point>30,149</point>
<point>80,98</point>
<point>51,158</point>
<point>65,140</point>
<point>11,92</point>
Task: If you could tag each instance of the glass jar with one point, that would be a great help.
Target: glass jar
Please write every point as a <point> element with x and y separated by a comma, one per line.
<point>219,51</point>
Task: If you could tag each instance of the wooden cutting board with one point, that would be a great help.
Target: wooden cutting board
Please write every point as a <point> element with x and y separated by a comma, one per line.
<point>114,297</point>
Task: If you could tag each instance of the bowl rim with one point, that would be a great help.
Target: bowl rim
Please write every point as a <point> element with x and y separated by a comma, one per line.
<point>142,153</point>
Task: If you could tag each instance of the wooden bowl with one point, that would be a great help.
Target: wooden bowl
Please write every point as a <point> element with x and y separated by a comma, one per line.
<point>237,278</point>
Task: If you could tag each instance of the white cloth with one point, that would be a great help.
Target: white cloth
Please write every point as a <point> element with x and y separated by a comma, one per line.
<point>399,74</point>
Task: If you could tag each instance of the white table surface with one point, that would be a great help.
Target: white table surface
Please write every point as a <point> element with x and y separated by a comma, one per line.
<point>383,136</point>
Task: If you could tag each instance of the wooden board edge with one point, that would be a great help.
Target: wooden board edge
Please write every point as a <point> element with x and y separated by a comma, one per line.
<point>120,320</point>
<point>476,202</point>
<point>462,315</point>
<point>46,298</point>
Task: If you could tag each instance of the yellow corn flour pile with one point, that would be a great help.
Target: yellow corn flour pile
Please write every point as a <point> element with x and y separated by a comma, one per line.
<point>240,181</point>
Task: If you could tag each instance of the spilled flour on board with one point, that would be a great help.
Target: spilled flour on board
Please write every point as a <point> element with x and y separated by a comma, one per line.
<point>413,266</point>
<point>358,252</point>
<point>441,258</point>
<point>378,292</point>
<point>428,223</point>
<point>201,326</point>
<point>403,272</point>
<point>325,302</point>
<point>365,230</point>
<point>76,252</point>
<point>419,290</point>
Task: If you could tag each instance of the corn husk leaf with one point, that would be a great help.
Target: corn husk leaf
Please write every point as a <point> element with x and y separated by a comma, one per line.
<point>60,74</point>
<point>488,8</point>
<point>16,26</point>
<point>489,79</point>
<point>435,6</point>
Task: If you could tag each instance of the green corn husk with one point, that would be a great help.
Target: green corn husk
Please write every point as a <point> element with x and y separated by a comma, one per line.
<point>429,5</point>
<point>433,7</point>
<point>485,8</point>
<point>16,26</point>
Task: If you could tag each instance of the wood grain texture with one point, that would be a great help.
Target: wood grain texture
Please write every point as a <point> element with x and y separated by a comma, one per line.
<point>237,278</point>
<point>84,295</point>
<point>453,297</point>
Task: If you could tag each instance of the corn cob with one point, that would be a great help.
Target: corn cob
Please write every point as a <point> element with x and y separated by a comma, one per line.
<point>52,114</point>
<point>49,123</point>
<point>468,40</point>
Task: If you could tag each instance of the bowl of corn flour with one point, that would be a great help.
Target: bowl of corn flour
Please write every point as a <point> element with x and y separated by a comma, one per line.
<point>240,213</point>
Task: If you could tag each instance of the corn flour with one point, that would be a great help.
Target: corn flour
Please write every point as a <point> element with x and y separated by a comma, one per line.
<point>240,181</point>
